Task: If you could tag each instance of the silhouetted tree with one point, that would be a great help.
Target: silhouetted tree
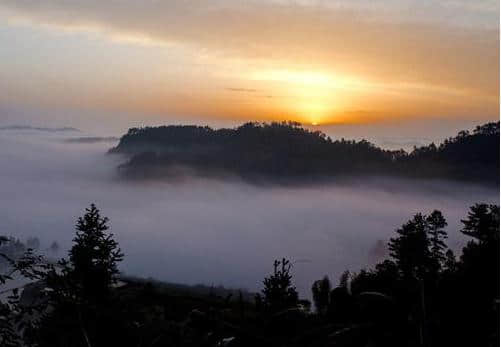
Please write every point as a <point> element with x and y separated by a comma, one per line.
<point>81,287</point>
<point>16,318</point>
<point>479,259</point>
<point>383,279</point>
<point>437,235</point>
<point>383,306</point>
<point>94,256</point>
<point>321,290</point>
<point>340,304</point>
<point>474,286</point>
<point>278,292</point>
<point>410,249</point>
<point>482,223</point>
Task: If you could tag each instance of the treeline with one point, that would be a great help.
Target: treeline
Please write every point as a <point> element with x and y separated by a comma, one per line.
<point>286,151</point>
<point>12,249</point>
<point>423,295</point>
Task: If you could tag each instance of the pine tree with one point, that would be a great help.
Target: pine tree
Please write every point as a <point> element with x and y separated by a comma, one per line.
<point>482,223</point>
<point>411,248</point>
<point>480,258</point>
<point>279,293</point>
<point>94,256</point>
<point>436,224</point>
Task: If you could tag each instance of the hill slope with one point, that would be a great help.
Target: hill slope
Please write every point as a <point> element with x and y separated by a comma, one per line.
<point>286,151</point>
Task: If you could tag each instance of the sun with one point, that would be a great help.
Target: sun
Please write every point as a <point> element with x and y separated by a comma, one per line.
<point>313,112</point>
<point>312,97</point>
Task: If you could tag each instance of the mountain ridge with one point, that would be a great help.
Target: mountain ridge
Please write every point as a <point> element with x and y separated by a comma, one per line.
<point>276,151</point>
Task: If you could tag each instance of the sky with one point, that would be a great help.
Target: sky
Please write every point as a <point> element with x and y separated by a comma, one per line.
<point>114,64</point>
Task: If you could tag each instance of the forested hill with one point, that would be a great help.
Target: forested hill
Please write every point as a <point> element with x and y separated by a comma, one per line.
<point>286,151</point>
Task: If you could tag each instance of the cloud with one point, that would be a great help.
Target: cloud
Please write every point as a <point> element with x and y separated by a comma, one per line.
<point>318,59</point>
<point>449,44</point>
<point>243,90</point>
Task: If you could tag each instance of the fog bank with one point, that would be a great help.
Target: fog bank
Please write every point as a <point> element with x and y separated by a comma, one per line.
<point>210,231</point>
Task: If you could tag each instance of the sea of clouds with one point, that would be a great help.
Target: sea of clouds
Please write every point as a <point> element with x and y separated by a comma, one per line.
<point>219,232</point>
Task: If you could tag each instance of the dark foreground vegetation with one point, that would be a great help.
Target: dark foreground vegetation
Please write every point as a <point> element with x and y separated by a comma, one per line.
<point>422,296</point>
<point>287,152</point>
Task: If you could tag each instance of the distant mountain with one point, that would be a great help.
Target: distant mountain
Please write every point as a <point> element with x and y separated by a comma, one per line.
<point>91,139</point>
<point>28,127</point>
<point>286,151</point>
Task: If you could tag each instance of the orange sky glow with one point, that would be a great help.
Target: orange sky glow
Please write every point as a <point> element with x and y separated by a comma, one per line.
<point>315,62</point>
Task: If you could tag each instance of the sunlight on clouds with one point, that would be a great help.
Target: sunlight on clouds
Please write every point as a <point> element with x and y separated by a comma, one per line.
<point>316,62</point>
<point>302,78</point>
<point>314,97</point>
<point>100,31</point>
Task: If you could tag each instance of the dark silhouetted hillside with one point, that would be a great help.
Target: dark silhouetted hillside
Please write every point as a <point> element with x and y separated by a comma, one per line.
<point>286,151</point>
